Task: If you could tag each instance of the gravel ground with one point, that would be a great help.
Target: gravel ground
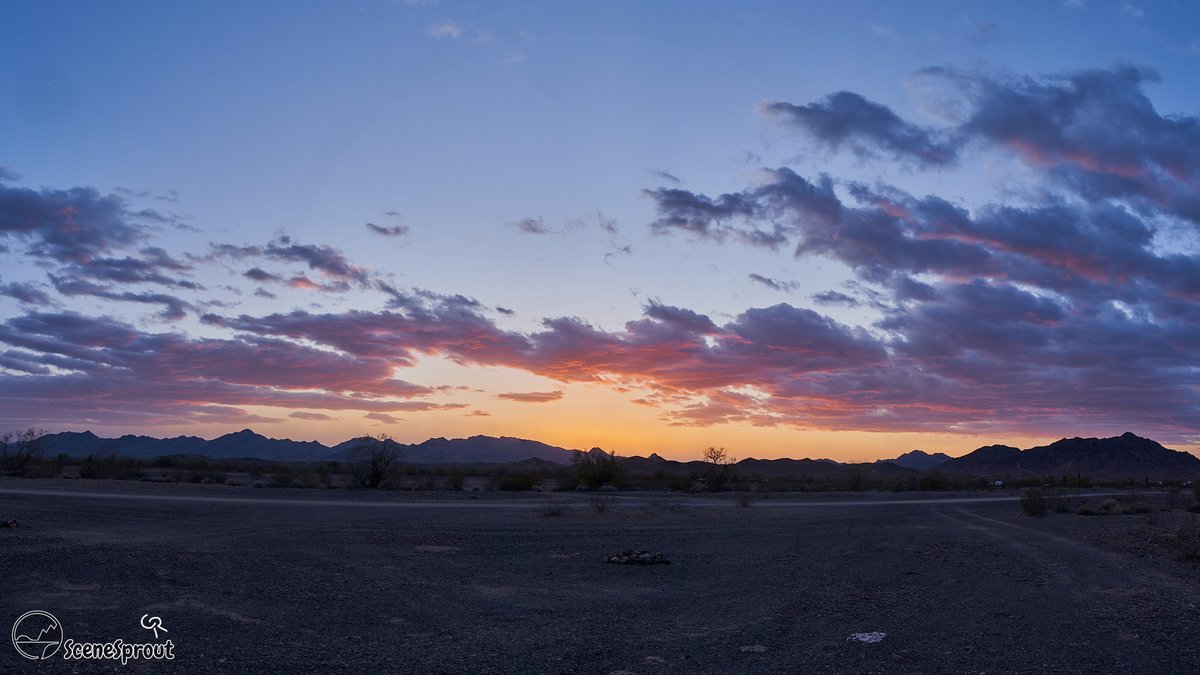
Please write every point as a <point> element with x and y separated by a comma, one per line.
<point>313,581</point>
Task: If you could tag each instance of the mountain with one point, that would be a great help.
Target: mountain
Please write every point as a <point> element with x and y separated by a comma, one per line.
<point>918,460</point>
<point>476,449</point>
<point>248,444</point>
<point>242,444</point>
<point>1116,458</point>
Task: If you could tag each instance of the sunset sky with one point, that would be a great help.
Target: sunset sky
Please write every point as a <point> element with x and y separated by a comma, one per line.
<point>839,230</point>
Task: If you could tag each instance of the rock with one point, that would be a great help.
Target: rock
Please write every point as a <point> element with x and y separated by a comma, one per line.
<point>637,558</point>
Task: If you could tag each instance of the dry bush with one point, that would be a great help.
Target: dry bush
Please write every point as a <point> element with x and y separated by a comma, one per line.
<point>551,507</point>
<point>602,502</point>
<point>1035,503</point>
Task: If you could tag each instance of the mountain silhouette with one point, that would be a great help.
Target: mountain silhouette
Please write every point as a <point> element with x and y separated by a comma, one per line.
<point>1116,458</point>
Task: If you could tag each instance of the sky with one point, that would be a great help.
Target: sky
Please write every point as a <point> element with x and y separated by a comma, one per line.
<point>842,230</point>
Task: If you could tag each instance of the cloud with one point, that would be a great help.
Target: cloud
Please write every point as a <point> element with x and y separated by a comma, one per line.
<point>173,308</point>
<point>774,284</point>
<point>383,417</point>
<point>531,396</point>
<point>663,175</point>
<point>981,31</point>
<point>846,119</point>
<point>25,293</point>
<point>326,260</point>
<point>532,226</point>
<point>90,368</point>
<point>311,416</point>
<point>835,298</point>
<point>445,28</point>
<point>388,230</point>
<point>75,225</point>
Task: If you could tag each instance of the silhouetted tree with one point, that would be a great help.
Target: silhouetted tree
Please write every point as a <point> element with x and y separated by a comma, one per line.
<point>374,460</point>
<point>719,470</point>
<point>18,448</point>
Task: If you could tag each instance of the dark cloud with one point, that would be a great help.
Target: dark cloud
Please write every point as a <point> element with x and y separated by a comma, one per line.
<point>665,176</point>
<point>774,284</point>
<point>26,293</point>
<point>835,298</point>
<point>388,230</point>
<point>75,225</point>
<point>846,119</point>
<point>328,261</point>
<point>173,308</point>
<point>532,226</point>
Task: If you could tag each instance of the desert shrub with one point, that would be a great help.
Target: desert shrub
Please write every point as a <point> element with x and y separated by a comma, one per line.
<point>1139,507</point>
<point>602,502</point>
<point>1034,502</point>
<point>1185,542</point>
<point>1084,510</point>
<point>1109,506</point>
<point>855,477</point>
<point>1196,490</point>
<point>933,480</point>
<point>1064,501</point>
<point>455,479</point>
<point>518,482</point>
<point>552,506</point>
<point>745,499</point>
<point>597,468</point>
<point>1194,508</point>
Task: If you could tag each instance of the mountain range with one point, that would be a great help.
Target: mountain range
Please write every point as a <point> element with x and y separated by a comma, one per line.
<point>1120,457</point>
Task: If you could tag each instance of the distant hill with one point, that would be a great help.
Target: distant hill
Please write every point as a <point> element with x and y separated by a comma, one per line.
<point>248,444</point>
<point>476,449</point>
<point>919,460</point>
<point>1117,458</point>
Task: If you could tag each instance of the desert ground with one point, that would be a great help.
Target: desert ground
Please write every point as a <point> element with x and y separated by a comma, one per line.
<point>281,580</point>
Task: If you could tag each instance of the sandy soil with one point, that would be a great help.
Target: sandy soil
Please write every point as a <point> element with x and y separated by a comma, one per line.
<point>270,580</point>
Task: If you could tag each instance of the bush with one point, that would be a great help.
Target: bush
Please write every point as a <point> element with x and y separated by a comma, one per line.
<point>602,502</point>
<point>597,468</point>
<point>521,482</point>
<point>745,499</point>
<point>1108,507</point>
<point>1085,511</point>
<point>1034,503</point>
<point>551,507</point>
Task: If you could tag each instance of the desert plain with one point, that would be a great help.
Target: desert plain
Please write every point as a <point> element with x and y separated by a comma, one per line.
<point>320,581</point>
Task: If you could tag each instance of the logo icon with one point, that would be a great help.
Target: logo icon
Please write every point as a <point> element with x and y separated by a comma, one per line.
<point>154,624</point>
<point>37,635</point>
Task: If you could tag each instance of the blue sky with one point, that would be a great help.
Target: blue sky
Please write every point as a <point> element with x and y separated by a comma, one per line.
<point>516,155</point>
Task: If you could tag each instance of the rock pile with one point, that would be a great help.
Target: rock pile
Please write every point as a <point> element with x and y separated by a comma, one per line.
<point>637,558</point>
